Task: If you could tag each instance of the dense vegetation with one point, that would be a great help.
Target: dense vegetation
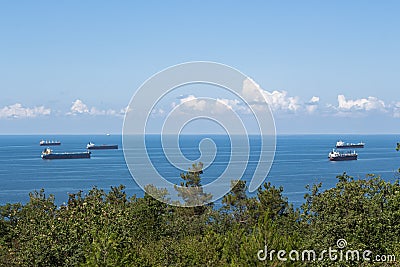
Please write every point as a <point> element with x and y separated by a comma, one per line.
<point>110,229</point>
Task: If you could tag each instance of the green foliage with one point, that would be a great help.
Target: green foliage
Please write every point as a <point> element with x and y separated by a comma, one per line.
<point>365,212</point>
<point>110,229</point>
<point>237,206</point>
<point>191,190</point>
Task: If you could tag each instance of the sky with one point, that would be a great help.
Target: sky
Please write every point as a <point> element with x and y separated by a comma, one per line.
<point>71,67</point>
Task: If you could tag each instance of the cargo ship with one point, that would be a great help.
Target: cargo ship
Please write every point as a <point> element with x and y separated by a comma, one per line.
<point>341,144</point>
<point>93,146</point>
<point>48,154</point>
<point>49,143</point>
<point>338,156</point>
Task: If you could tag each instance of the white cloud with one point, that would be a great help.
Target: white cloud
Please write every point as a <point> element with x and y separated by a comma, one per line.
<point>193,103</point>
<point>18,111</point>
<point>221,105</point>
<point>396,110</point>
<point>282,103</point>
<point>233,104</point>
<point>314,99</point>
<point>95,111</point>
<point>122,111</point>
<point>366,104</point>
<point>79,107</point>
<point>251,92</point>
<point>312,105</point>
<point>157,112</point>
<point>278,100</point>
<point>230,103</point>
<point>256,98</point>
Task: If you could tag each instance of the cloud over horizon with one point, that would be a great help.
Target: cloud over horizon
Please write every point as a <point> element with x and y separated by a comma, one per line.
<point>280,102</point>
<point>191,103</point>
<point>79,107</point>
<point>19,111</point>
<point>396,110</point>
<point>367,104</point>
<point>312,104</point>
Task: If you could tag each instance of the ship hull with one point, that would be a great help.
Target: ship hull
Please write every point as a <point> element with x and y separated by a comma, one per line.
<point>343,158</point>
<point>50,144</point>
<point>84,155</point>
<point>103,147</point>
<point>350,146</point>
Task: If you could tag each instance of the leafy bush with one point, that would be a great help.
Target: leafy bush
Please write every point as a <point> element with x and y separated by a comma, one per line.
<point>110,229</point>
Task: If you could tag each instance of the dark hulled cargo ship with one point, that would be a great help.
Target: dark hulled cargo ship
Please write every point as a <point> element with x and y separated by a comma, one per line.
<point>93,146</point>
<point>337,156</point>
<point>341,144</point>
<point>48,154</point>
<point>49,143</point>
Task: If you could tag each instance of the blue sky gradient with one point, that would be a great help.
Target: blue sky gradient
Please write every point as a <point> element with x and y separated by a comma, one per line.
<point>99,52</point>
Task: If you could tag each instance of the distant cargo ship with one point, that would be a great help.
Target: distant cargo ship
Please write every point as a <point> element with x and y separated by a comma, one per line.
<point>48,154</point>
<point>93,146</point>
<point>337,156</point>
<point>341,144</point>
<point>49,143</point>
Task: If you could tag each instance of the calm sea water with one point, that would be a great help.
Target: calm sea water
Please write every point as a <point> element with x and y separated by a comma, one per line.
<point>299,160</point>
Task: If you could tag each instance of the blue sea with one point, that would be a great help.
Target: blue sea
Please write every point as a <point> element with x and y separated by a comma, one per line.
<point>299,160</point>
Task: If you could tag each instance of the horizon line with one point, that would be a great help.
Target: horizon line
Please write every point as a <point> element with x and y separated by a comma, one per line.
<point>120,134</point>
